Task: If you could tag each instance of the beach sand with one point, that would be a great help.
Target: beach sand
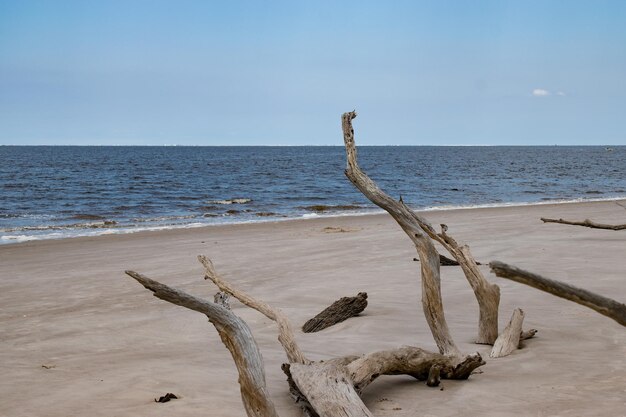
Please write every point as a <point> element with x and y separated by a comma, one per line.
<point>111,347</point>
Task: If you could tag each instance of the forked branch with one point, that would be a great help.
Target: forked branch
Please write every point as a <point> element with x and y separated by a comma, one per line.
<point>429,257</point>
<point>285,333</point>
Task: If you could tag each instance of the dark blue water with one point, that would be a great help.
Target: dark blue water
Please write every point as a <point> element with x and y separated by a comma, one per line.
<point>49,192</point>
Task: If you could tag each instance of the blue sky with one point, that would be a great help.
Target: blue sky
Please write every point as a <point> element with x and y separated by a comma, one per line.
<point>281,73</point>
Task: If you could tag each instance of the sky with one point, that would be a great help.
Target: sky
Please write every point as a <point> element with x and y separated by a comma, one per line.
<point>282,72</point>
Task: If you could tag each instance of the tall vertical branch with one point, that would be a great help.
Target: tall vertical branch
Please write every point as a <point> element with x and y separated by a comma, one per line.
<point>429,257</point>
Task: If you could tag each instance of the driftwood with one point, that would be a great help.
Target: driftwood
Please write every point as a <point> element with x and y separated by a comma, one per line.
<point>323,389</point>
<point>599,303</point>
<point>236,336</point>
<point>586,223</point>
<point>285,333</point>
<point>509,339</point>
<point>429,257</point>
<point>414,225</point>
<point>340,310</point>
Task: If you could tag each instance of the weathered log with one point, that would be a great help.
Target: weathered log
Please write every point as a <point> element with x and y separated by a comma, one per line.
<point>328,389</point>
<point>285,333</point>
<point>340,310</point>
<point>297,395</point>
<point>236,336</point>
<point>586,223</point>
<point>509,339</point>
<point>599,303</point>
<point>409,360</point>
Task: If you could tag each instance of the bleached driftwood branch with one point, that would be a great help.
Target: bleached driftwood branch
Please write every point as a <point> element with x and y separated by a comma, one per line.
<point>509,339</point>
<point>487,294</point>
<point>323,389</point>
<point>428,255</point>
<point>236,336</point>
<point>285,332</point>
<point>586,223</point>
<point>599,303</point>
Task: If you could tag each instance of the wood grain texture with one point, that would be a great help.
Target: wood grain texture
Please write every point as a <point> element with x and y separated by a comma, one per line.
<point>603,305</point>
<point>339,311</point>
<point>237,338</point>
<point>586,223</point>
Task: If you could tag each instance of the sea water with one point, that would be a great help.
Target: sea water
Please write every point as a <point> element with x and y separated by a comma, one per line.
<point>62,191</point>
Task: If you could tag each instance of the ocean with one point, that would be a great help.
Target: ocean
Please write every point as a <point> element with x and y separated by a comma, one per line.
<point>49,192</point>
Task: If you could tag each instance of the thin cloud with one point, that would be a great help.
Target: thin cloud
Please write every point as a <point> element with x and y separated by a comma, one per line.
<point>540,92</point>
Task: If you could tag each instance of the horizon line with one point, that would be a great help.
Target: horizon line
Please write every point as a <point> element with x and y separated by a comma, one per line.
<point>302,146</point>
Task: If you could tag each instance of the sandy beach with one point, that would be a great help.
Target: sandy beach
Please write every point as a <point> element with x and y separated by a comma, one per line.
<point>109,347</point>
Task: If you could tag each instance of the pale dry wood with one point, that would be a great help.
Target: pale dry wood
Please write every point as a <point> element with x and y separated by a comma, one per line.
<point>236,336</point>
<point>339,311</point>
<point>409,360</point>
<point>527,334</point>
<point>509,339</point>
<point>599,303</point>
<point>487,294</point>
<point>428,255</point>
<point>329,390</point>
<point>586,223</point>
<point>285,333</point>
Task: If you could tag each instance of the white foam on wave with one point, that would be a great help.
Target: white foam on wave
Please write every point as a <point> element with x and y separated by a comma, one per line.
<point>13,239</point>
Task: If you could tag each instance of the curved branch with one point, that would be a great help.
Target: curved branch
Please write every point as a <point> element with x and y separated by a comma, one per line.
<point>599,303</point>
<point>586,223</point>
<point>429,257</point>
<point>409,360</point>
<point>285,333</point>
<point>237,337</point>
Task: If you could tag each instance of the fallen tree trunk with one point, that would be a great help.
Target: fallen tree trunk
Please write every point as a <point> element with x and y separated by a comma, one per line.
<point>340,310</point>
<point>599,303</point>
<point>586,223</point>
